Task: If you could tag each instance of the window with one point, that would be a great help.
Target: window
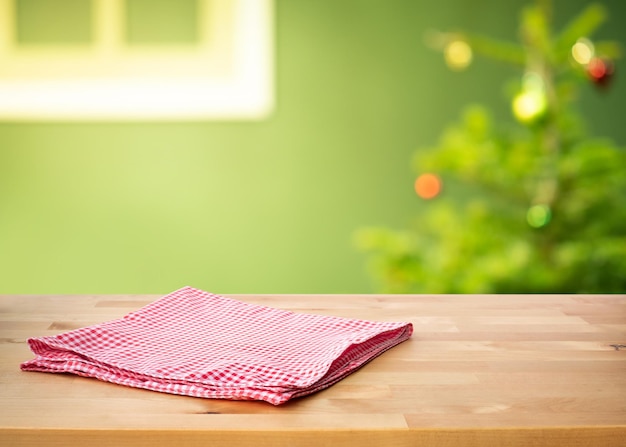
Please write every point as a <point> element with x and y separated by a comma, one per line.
<point>136,59</point>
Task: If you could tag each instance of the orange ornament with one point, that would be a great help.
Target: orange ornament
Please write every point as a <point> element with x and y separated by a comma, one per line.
<point>428,186</point>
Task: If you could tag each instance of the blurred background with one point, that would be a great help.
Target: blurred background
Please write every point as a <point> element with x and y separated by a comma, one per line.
<point>274,204</point>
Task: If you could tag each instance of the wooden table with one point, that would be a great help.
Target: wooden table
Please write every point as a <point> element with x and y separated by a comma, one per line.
<point>480,370</point>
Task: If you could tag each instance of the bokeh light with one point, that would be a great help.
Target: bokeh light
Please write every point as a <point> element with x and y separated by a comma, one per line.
<point>531,103</point>
<point>583,51</point>
<point>532,81</point>
<point>597,68</point>
<point>458,55</point>
<point>428,186</point>
<point>538,216</point>
<point>527,106</point>
<point>600,71</point>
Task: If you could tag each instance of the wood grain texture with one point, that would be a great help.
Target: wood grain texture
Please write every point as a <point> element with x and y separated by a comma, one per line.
<point>480,370</point>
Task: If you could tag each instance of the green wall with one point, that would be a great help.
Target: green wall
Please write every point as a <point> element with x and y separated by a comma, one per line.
<point>269,206</point>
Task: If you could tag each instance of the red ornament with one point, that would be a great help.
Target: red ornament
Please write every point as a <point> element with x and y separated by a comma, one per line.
<point>600,71</point>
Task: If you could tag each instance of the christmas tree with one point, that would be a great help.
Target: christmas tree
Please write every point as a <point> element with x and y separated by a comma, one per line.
<point>534,207</point>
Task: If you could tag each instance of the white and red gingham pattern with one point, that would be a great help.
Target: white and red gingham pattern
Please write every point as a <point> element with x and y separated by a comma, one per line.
<point>194,343</point>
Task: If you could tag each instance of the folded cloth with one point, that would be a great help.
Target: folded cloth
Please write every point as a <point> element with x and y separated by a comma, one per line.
<point>194,343</point>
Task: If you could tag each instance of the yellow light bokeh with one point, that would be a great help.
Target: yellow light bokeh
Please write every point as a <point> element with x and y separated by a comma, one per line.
<point>583,51</point>
<point>458,55</point>
<point>529,105</point>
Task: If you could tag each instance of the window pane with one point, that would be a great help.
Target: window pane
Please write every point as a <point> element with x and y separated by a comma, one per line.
<point>161,21</point>
<point>53,21</point>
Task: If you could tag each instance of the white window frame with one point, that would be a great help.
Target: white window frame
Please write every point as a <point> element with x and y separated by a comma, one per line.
<point>227,75</point>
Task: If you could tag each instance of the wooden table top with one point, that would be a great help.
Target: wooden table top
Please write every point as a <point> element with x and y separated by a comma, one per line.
<point>479,370</point>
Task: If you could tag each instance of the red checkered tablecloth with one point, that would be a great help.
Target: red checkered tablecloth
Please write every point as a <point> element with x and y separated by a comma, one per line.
<point>195,343</point>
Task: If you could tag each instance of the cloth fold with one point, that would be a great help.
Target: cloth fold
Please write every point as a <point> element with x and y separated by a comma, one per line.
<point>195,343</point>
